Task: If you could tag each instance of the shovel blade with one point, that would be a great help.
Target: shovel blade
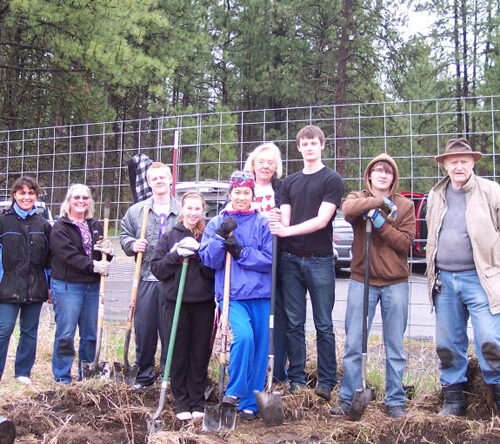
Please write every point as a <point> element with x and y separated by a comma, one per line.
<point>270,407</point>
<point>7,431</point>
<point>101,370</point>
<point>228,417</point>
<point>358,405</point>
<point>154,425</point>
<point>123,373</point>
<point>212,418</point>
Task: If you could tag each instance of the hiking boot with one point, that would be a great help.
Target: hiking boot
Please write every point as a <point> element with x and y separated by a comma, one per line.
<point>184,416</point>
<point>455,401</point>
<point>230,400</point>
<point>341,409</point>
<point>395,411</point>
<point>23,380</point>
<point>323,392</point>
<point>294,387</point>
<point>248,415</point>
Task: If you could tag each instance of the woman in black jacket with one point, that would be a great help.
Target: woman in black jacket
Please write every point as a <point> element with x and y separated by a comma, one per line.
<point>76,268</point>
<point>192,345</point>
<point>25,259</point>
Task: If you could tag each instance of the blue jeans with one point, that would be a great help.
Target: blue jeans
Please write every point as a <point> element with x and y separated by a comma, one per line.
<point>74,305</point>
<point>462,295</point>
<point>316,274</point>
<point>249,322</point>
<point>394,309</point>
<point>28,325</point>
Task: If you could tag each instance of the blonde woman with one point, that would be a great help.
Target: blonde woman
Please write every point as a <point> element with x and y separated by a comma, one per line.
<point>75,273</point>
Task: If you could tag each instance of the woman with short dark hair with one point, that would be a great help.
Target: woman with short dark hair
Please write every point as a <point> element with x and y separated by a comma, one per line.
<point>25,259</point>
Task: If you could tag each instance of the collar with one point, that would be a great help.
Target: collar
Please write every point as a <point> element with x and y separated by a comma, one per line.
<point>21,213</point>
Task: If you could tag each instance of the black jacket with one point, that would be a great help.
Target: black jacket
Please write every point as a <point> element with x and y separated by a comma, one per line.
<point>166,266</point>
<point>25,255</point>
<point>70,263</point>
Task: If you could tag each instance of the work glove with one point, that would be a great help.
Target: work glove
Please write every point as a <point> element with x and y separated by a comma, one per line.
<point>226,227</point>
<point>377,219</point>
<point>101,267</point>
<point>104,246</point>
<point>390,209</point>
<point>231,244</point>
<point>189,243</point>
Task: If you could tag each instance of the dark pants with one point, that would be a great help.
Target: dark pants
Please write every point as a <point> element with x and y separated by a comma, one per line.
<point>191,353</point>
<point>149,324</point>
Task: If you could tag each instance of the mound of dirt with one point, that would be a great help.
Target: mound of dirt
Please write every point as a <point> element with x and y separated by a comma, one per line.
<point>105,413</point>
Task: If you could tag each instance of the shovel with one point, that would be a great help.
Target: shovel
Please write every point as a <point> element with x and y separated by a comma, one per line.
<point>91,369</point>
<point>222,416</point>
<point>363,395</point>
<point>154,424</point>
<point>269,403</point>
<point>128,373</point>
<point>7,431</point>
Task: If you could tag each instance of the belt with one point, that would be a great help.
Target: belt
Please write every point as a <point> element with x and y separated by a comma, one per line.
<point>306,255</point>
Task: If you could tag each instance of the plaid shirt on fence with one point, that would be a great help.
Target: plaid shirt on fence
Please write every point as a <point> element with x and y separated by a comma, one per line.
<point>137,168</point>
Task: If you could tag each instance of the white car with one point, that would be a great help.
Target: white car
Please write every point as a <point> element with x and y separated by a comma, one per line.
<point>214,192</point>
<point>41,208</point>
<point>342,241</point>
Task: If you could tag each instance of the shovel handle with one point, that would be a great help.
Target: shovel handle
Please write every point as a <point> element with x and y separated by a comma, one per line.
<point>225,310</point>
<point>102,288</point>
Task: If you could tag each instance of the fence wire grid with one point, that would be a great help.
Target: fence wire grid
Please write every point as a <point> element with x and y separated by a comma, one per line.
<point>212,145</point>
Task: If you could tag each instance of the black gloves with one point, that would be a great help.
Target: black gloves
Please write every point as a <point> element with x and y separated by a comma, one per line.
<point>231,244</point>
<point>227,225</point>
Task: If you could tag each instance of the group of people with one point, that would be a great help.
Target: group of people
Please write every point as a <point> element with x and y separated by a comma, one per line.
<point>463,257</point>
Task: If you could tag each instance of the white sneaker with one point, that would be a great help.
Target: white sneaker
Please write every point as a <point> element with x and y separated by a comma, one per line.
<point>197,415</point>
<point>184,416</point>
<point>23,380</point>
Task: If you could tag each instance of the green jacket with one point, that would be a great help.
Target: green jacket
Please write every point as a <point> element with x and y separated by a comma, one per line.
<point>482,216</point>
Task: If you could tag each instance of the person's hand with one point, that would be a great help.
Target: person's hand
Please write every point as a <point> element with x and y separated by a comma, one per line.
<point>231,244</point>
<point>278,229</point>
<point>104,246</point>
<point>101,267</point>
<point>184,252</point>
<point>226,227</point>
<point>390,209</point>
<point>139,246</point>
<point>275,215</point>
<point>377,219</point>
<point>189,243</point>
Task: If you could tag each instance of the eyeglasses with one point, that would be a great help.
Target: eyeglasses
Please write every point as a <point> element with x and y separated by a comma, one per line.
<point>266,162</point>
<point>382,171</point>
<point>242,175</point>
<point>81,198</point>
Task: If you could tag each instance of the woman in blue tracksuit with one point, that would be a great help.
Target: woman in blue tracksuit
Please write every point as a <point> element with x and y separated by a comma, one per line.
<point>244,233</point>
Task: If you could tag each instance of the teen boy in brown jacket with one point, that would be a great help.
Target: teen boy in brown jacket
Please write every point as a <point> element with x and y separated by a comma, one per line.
<point>389,273</point>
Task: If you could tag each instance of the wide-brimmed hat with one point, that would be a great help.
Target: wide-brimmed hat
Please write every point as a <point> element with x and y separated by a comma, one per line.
<point>458,146</point>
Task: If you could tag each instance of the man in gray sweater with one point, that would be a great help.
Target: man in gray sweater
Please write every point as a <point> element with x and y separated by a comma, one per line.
<point>463,268</point>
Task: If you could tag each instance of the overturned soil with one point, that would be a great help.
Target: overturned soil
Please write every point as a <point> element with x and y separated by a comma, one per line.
<point>106,412</point>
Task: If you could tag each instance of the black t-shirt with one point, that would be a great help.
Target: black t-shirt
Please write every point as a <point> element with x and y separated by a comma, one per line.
<point>305,193</point>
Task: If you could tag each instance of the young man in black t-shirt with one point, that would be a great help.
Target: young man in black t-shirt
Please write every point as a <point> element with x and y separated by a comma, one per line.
<point>309,200</point>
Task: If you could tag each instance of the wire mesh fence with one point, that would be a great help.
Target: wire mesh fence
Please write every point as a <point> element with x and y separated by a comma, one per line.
<point>211,145</point>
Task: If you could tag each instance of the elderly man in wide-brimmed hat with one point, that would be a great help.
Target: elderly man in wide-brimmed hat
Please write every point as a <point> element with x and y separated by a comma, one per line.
<point>463,268</point>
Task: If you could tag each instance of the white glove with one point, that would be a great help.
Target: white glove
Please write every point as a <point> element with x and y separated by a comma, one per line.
<point>189,243</point>
<point>184,252</point>
<point>101,267</point>
<point>174,247</point>
<point>104,246</point>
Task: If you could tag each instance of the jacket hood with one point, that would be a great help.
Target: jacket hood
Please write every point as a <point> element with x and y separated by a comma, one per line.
<point>395,182</point>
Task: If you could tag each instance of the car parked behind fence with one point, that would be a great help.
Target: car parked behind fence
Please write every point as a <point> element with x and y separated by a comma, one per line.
<point>417,253</point>
<point>214,192</point>
<point>342,241</point>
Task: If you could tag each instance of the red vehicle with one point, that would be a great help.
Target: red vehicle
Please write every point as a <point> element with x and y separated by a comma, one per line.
<point>417,253</point>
